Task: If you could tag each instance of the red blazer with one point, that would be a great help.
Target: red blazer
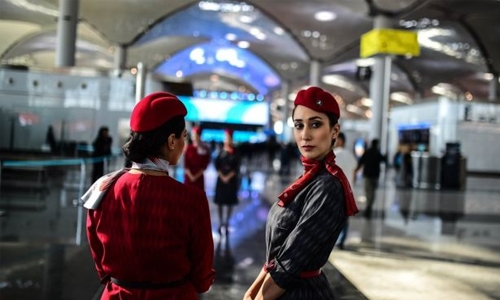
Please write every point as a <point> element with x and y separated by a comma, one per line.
<point>152,229</point>
<point>196,159</point>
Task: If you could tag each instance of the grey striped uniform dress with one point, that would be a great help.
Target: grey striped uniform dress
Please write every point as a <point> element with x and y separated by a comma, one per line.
<point>301,235</point>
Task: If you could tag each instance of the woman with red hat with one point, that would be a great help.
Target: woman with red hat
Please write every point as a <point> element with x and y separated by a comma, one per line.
<point>196,160</point>
<point>227,164</point>
<point>150,235</point>
<point>304,224</point>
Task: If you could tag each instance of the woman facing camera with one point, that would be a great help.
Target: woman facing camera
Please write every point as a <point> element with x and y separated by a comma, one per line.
<point>150,235</point>
<point>196,160</point>
<point>227,163</point>
<point>304,224</point>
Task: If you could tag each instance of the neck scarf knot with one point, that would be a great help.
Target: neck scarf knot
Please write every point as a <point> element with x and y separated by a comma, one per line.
<point>152,163</point>
<point>94,195</point>
<point>311,168</point>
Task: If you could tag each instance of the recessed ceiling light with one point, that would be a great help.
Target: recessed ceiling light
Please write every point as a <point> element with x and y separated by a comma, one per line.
<point>325,16</point>
<point>231,37</point>
<point>243,44</point>
<point>366,102</point>
<point>365,62</point>
<point>246,19</point>
<point>278,30</point>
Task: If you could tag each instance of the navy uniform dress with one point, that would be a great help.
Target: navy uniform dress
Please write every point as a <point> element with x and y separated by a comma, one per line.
<point>227,162</point>
<point>301,236</point>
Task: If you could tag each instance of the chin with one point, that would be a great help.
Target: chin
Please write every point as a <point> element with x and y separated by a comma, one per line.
<point>314,155</point>
<point>309,155</point>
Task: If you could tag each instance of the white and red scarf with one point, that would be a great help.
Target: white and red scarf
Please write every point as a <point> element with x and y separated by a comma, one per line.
<point>311,168</point>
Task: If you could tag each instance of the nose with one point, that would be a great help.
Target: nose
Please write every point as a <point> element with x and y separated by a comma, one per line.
<point>305,135</point>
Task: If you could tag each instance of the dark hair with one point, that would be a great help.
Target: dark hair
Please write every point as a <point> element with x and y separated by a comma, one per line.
<point>331,117</point>
<point>341,136</point>
<point>375,143</point>
<point>142,145</point>
<point>101,130</point>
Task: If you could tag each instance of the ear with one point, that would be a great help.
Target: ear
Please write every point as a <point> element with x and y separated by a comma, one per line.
<point>335,131</point>
<point>171,142</point>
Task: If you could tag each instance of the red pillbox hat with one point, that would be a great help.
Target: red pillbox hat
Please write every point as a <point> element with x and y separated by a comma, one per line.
<point>154,110</point>
<point>197,130</point>
<point>318,99</point>
<point>229,132</point>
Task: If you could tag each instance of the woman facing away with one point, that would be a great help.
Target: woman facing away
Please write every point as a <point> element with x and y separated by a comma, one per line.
<point>196,160</point>
<point>150,235</point>
<point>304,224</point>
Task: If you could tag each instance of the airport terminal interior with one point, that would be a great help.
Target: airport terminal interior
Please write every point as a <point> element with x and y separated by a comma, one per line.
<point>422,76</point>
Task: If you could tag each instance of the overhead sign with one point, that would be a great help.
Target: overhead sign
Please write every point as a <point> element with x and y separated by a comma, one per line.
<point>389,41</point>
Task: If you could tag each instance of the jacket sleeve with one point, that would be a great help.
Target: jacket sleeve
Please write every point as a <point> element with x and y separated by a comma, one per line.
<point>206,158</point>
<point>201,247</point>
<point>95,244</point>
<point>187,158</point>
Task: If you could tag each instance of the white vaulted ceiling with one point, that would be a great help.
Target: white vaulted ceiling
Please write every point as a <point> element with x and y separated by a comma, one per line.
<point>459,41</point>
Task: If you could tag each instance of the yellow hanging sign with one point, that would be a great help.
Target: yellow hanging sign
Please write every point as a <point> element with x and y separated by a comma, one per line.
<point>389,41</point>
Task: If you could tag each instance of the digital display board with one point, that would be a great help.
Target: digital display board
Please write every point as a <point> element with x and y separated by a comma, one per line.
<point>226,111</point>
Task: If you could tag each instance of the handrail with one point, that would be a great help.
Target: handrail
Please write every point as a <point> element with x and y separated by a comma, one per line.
<point>63,162</point>
<point>54,162</point>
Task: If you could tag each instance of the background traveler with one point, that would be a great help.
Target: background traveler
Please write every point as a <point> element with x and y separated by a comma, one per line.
<point>347,162</point>
<point>370,162</point>
<point>196,160</point>
<point>102,147</point>
<point>227,165</point>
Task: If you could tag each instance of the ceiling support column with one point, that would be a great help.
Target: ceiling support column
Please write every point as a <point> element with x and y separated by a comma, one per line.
<point>140,82</point>
<point>315,73</point>
<point>492,95</point>
<point>67,23</point>
<point>120,59</point>
<point>380,90</point>
<point>287,131</point>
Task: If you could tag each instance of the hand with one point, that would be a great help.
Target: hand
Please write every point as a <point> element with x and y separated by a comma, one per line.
<point>189,175</point>
<point>247,296</point>
<point>193,178</point>
<point>224,178</point>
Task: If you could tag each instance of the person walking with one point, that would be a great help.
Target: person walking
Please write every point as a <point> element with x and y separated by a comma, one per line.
<point>370,163</point>
<point>347,162</point>
<point>304,224</point>
<point>150,235</point>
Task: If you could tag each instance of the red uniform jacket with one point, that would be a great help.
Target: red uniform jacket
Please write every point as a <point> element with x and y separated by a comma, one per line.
<point>196,159</point>
<point>152,229</point>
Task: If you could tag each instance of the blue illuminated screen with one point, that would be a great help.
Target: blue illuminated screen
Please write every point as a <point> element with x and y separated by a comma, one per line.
<point>226,111</point>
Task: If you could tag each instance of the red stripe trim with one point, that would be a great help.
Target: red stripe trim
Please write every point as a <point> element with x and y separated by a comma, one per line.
<point>310,274</point>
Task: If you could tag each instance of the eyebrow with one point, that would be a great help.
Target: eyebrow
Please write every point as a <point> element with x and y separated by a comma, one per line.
<point>310,119</point>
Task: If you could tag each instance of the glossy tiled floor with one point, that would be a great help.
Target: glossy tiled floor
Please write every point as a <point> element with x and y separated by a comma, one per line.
<point>421,244</point>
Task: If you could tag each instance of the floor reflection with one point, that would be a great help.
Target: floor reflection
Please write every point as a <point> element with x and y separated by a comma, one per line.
<point>39,258</point>
<point>224,261</point>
